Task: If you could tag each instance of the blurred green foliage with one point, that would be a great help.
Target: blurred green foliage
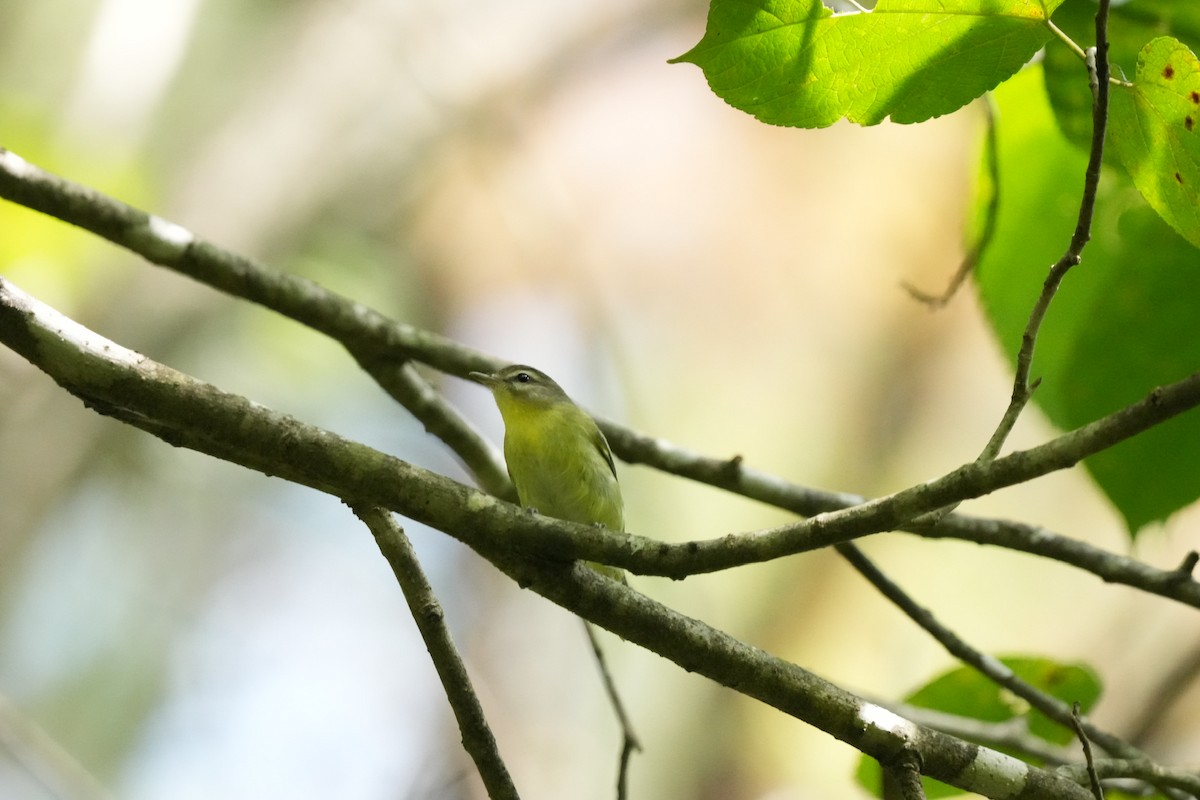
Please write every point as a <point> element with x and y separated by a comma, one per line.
<point>1123,320</point>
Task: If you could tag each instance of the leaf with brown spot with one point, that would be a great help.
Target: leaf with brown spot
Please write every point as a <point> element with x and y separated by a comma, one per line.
<point>1131,25</point>
<point>1152,133</point>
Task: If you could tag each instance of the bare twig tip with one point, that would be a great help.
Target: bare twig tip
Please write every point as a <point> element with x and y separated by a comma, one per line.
<point>733,467</point>
<point>1093,776</point>
<point>935,302</point>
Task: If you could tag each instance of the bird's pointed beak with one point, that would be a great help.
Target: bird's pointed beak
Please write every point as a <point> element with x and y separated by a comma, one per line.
<point>483,377</point>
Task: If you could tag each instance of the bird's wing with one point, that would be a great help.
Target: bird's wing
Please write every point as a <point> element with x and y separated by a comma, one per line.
<point>602,445</point>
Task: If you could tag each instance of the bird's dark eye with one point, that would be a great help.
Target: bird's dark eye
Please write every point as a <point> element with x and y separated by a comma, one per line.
<point>522,377</point>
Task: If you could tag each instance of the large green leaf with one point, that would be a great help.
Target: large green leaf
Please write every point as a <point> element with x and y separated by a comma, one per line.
<point>1123,321</point>
<point>794,62</point>
<point>1155,132</point>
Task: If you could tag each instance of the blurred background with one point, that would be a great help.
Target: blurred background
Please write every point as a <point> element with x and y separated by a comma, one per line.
<point>535,180</point>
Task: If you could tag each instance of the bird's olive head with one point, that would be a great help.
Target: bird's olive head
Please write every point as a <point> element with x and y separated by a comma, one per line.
<point>522,383</point>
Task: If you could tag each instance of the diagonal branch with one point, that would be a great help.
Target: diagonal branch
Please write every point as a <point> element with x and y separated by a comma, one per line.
<point>629,739</point>
<point>896,510</point>
<point>477,736</point>
<point>124,384</point>
<point>380,345</point>
<point>378,342</point>
<point>1089,761</point>
<point>733,476</point>
<point>1022,392</point>
<point>185,412</point>
<point>991,216</point>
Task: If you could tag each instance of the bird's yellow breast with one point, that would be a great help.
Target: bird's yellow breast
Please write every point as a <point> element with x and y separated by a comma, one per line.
<point>559,462</point>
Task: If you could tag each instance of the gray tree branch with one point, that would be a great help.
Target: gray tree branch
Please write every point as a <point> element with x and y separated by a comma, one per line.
<point>427,613</point>
<point>185,412</point>
<point>386,348</point>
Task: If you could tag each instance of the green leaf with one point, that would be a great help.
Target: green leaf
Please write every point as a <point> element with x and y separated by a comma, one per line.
<point>967,693</point>
<point>1123,321</point>
<point>1071,683</point>
<point>1147,125</point>
<point>1131,25</point>
<point>1156,132</point>
<point>794,62</point>
<point>964,692</point>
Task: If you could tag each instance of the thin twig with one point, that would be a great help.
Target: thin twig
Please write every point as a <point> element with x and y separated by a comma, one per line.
<point>1093,778</point>
<point>1067,40</point>
<point>629,739</point>
<point>1023,388</point>
<point>427,612</point>
<point>1079,52</point>
<point>1109,567</point>
<point>1186,781</point>
<point>902,779</point>
<point>991,161</point>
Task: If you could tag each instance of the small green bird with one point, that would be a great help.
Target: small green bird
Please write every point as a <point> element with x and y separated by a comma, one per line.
<point>557,458</point>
